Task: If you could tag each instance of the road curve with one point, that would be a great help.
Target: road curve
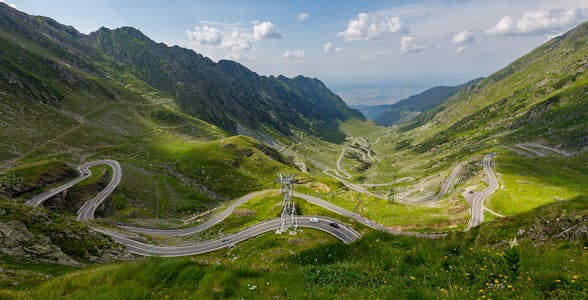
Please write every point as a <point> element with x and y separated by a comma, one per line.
<point>367,222</point>
<point>199,228</point>
<point>86,212</point>
<point>477,207</point>
<point>343,233</point>
<point>85,173</point>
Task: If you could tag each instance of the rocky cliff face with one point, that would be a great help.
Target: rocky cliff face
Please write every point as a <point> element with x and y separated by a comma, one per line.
<point>38,235</point>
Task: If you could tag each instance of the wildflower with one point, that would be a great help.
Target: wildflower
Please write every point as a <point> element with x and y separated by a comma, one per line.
<point>509,286</point>
<point>412,277</point>
<point>574,277</point>
<point>495,280</point>
<point>557,280</point>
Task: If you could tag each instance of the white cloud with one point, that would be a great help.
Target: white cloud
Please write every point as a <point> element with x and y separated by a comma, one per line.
<point>294,54</point>
<point>302,16</point>
<point>204,35</point>
<point>266,30</point>
<point>224,38</point>
<point>9,4</point>
<point>461,49</point>
<point>463,37</point>
<point>537,22</point>
<point>408,44</point>
<point>236,39</point>
<point>330,48</point>
<point>374,54</point>
<point>369,27</point>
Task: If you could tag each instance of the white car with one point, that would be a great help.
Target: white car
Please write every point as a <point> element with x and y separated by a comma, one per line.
<point>314,220</point>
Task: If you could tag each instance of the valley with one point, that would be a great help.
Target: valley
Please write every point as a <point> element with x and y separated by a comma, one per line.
<point>130,167</point>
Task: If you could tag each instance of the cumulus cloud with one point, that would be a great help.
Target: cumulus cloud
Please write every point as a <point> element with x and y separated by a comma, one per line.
<point>204,35</point>
<point>294,54</point>
<point>266,30</point>
<point>461,49</point>
<point>463,37</point>
<point>330,48</point>
<point>302,16</point>
<point>409,44</point>
<point>9,4</point>
<point>367,27</point>
<point>224,38</point>
<point>537,22</point>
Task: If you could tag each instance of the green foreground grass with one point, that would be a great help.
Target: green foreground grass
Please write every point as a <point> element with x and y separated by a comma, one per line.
<point>480,264</point>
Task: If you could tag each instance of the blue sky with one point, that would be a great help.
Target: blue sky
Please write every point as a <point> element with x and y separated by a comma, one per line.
<point>402,45</point>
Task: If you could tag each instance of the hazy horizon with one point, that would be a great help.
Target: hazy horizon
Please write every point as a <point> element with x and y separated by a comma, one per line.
<point>393,48</point>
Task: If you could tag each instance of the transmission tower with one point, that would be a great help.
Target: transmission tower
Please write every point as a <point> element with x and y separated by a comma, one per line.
<point>288,218</point>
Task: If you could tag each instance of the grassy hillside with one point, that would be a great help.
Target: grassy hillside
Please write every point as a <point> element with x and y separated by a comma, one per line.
<point>535,255</point>
<point>539,97</point>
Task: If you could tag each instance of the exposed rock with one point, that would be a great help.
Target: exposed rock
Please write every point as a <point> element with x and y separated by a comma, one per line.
<point>38,235</point>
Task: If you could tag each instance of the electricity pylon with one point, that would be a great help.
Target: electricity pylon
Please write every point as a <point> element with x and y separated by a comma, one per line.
<point>288,218</point>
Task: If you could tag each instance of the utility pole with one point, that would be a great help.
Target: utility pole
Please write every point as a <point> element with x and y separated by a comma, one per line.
<point>392,192</point>
<point>288,218</point>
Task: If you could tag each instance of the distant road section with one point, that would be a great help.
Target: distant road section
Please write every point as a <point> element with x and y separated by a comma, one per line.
<point>529,147</point>
<point>477,208</point>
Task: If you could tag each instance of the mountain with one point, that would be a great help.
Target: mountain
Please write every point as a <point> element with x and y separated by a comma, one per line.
<point>541,97</point>
<point>371,111</point>
<point>225,94</point>
<point>407,109</point>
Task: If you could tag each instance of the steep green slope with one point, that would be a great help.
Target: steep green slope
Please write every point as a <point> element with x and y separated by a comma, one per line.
<point>226,93</point>
<point>539,97</point>
<point>62,103</point>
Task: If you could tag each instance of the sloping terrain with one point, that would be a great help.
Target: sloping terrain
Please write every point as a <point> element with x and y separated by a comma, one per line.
<point>539,97</point>
<point>407,109</point>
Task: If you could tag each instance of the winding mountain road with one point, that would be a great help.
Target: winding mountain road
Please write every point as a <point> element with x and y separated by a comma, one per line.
<point>86,212</point>
<point>342,232</point>
<point>477,206</point>
<point>341,175</point>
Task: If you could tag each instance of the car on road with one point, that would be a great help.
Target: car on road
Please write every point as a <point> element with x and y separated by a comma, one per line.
<point>334,225</point>
<point>314,220</point>
<point>120,223</point>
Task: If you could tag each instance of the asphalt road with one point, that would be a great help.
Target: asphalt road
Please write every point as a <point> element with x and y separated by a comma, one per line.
<point>529,147</point>
<point>343,233</point>
<point>86,212</point>
<point>211,222</point>
<point>477,208</point>
<point>84,171</point>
